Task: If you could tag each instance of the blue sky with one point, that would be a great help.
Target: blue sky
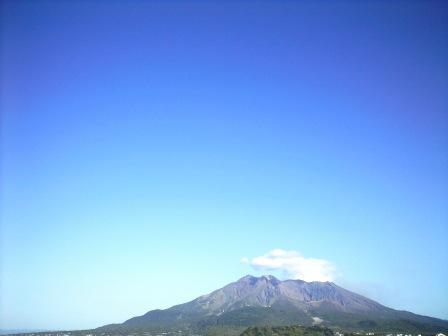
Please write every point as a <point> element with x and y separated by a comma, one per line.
<point>147,147</point>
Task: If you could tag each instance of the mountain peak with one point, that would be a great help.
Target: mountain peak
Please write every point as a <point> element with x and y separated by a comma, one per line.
<point>254,278</point>
<point>271,278</point>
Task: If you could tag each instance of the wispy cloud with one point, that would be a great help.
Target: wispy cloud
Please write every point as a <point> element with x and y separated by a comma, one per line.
<point>294,265</point>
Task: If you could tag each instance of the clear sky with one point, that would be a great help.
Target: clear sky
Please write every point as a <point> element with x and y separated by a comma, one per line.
<point>147,147</point>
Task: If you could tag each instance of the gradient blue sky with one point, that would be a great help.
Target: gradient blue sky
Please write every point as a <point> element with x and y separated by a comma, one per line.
<point>148,146</point>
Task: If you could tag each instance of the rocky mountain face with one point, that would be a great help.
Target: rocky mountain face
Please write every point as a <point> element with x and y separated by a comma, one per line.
<point>266,291</point>
<point>265,300</point>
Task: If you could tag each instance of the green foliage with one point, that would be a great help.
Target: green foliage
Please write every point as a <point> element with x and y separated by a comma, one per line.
<point>224,330</point>
<point>287,331</point>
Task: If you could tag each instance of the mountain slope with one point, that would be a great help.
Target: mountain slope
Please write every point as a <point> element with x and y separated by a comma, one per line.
<point>265,300</point>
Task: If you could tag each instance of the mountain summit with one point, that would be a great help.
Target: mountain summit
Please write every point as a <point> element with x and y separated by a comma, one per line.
<point>267,300</point>
<point>266,291</point>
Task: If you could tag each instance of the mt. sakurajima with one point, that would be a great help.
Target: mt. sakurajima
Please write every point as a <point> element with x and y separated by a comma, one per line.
<point>265,300</point>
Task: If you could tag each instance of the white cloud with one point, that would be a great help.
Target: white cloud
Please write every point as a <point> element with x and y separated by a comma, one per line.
<point>294,265</point>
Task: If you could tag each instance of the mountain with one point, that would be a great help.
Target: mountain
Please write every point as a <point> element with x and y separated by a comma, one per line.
<point>257,301</point>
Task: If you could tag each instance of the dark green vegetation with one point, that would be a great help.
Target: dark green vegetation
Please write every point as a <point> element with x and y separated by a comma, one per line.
<point>287,331</point>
